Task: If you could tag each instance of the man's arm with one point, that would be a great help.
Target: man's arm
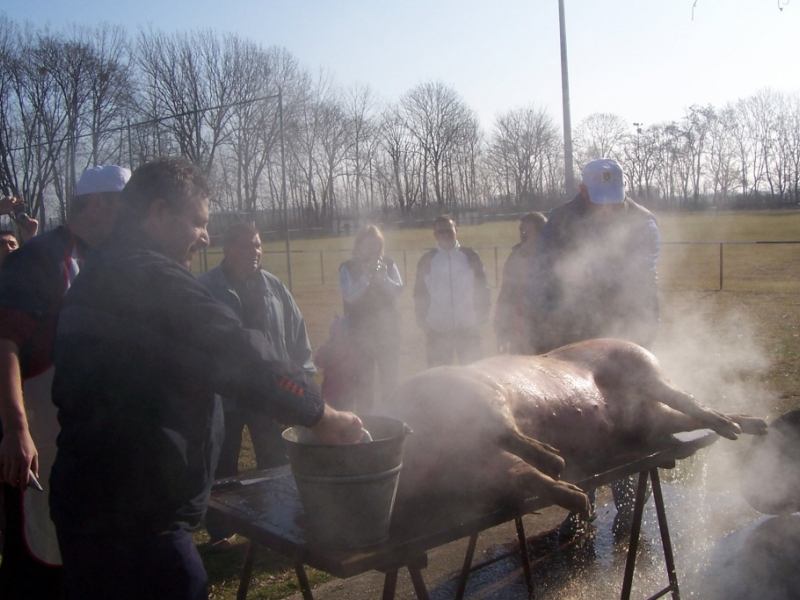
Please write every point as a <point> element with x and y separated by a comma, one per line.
<point>17,451</point>
<point>483,294</point>
<point>422,297</point>
<point>297,343</point>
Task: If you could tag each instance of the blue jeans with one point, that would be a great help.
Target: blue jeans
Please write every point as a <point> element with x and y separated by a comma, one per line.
<point>162,566</point>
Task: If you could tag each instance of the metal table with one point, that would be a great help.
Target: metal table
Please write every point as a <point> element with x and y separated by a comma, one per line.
<point>266,509</point>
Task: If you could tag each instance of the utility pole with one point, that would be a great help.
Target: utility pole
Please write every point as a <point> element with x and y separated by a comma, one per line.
<point>638,160</point>
<point>568,169</point>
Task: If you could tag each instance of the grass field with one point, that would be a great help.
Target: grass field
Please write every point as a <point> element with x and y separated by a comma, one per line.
<point>738,348</point>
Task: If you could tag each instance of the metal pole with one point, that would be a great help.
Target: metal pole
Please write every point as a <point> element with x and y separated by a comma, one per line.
<point>568,170</point>
<point>130,147</point>
<point>283,190</point>
<point>496,270</point>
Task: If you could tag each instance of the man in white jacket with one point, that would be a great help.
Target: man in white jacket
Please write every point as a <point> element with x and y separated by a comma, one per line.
<point>451,298</point>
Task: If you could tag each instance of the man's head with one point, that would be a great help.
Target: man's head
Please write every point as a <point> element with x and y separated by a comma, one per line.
<point>167,199</point>
<point>93,208</point>
<point>602,182</point>
<point>530,226</point>
<point>8,243</point>
<point>368,244</point>
<point>241,245</point>
<point>445,231</point>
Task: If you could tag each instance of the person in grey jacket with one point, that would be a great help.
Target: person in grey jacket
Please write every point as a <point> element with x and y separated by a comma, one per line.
<point>262,303</point>
<point>451,298</point>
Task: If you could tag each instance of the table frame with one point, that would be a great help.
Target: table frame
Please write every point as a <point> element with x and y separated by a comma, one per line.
<point>411,552</point>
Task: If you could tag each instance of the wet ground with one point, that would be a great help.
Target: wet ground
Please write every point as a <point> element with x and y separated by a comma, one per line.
<point>723,550</point>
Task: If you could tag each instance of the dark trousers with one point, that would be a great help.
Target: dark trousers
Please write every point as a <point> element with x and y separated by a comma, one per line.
<point>265,435</point>
<point>155,566</point>
<point>21,575</point>
<point>385,354</point>
<point>464,343</point>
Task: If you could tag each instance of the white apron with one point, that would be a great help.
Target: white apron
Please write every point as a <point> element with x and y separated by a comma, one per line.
<point>38,530</point>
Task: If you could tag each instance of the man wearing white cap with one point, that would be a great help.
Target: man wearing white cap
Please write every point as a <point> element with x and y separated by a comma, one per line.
<point>33,282</point>
<point>594,275</point>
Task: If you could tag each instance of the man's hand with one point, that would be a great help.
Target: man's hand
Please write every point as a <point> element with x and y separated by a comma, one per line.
<point>27,227</point>
<point>18,455</point>
<point>338,427</point>
<point>7,204</point>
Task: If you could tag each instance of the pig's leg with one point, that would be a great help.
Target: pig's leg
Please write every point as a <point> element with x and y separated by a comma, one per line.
<point>529,481</point>
<point>693,415</point>
<point>538,454</point>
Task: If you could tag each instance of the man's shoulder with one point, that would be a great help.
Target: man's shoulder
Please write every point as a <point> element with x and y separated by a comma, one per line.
<point>53,242</point>
<point>471,254</point>
<point>636,209</point>
<point>273,281</point>
<point>427,257</point>
<point>567,210</point>
<point>211,277</point>
<point>40,255</point>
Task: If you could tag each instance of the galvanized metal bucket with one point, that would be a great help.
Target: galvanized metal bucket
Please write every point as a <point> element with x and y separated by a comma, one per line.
<point>348,491</point>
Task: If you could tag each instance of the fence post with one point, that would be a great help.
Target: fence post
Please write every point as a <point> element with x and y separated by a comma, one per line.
<point>720,266</point>
<point>321,267</point>
<point>496,273</point>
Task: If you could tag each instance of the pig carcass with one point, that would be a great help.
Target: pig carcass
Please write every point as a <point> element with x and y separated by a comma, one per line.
<point>504,426</point>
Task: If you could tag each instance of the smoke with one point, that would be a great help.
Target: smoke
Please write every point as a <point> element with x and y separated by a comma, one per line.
<point>713,354</point>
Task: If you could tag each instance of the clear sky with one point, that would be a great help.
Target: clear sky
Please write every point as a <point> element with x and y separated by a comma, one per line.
<point>644,60</point>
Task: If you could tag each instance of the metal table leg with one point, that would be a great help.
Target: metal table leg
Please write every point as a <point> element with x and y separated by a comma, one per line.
<point>661,511</point>
<point>247,571</point>
<point>418,581</point>
<point>302,578</point>
<point>462,581</point>
<point>633,545</point>
<point>389,585</point>
<point>665,539</point>
<point>523,550</point>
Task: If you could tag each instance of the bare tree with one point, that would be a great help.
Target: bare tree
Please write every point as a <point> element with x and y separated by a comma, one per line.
<point>518,152</point>
<point>438,119</point>
<point>600,135</point>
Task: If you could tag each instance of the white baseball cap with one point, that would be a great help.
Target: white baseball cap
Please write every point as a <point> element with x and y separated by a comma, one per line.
<point>97,180</point>
<point>603,180</point>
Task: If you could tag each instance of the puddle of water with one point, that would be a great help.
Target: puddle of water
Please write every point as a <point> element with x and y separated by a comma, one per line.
<point>723,550</point>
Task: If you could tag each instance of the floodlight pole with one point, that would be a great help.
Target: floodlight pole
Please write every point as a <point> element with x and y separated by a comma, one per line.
<point>568,170</point>
<point>283,190</point>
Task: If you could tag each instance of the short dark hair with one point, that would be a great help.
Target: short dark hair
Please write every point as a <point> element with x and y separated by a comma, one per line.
<point>237,232</point>
<point>5,232</point>
<point>175,180</point>
<point>77,204</point>
<point>444,219</point>
<point>537,219</point>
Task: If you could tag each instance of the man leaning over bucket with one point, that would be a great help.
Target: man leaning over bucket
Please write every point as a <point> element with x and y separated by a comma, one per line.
<point>140,350</point>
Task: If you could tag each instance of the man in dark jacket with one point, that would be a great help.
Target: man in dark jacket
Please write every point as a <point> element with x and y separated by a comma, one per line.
<point>262,303</point>
<point>594,275</point>
<point>141,348</point>
<point>594,267</point>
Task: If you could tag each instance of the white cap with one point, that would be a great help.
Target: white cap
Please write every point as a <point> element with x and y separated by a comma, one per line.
<point>108,178</point>
<point>604,182</point>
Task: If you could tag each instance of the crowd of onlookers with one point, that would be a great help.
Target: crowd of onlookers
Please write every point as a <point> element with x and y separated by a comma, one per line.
<point>126,383</point>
